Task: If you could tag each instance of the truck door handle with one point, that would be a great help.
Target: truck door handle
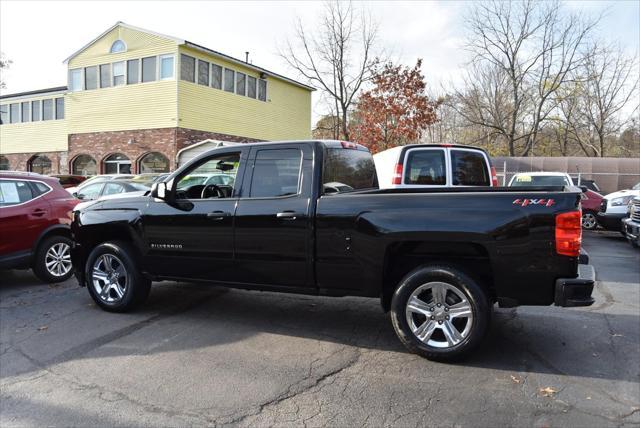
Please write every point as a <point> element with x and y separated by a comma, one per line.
<point>217,215</point>
<point>287,215</point>
<point>38,212</point>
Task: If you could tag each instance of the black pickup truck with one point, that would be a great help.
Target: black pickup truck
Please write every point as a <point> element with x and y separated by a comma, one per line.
<point>308,217</point>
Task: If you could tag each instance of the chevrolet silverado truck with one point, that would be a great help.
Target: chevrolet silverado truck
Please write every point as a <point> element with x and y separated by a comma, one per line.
<point>308,217</point>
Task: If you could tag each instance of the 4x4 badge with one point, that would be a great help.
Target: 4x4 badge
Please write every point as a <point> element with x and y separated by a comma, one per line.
<point>525,202</point>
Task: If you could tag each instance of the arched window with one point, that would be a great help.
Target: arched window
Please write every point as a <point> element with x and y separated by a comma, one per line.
<point>84,165</point>
<point>153,162</point>
<point>117,163</point>
<point>4,163</point>
<point>118,46</point>
<point>40,164</point>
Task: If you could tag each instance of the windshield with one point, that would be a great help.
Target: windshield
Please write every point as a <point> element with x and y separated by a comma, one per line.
<point>347,170</point>
<point>540,180</point>
<point>636,187</point>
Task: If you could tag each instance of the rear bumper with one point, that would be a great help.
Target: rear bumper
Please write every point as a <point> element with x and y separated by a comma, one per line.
<point>610,221</point>
<point>572,292</point>
<point>631,230</point>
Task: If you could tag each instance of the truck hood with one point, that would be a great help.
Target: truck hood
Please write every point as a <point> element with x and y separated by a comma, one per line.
<point>620,193</point>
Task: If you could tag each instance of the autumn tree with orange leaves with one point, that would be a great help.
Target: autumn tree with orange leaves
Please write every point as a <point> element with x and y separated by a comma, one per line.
<point>396,111</point>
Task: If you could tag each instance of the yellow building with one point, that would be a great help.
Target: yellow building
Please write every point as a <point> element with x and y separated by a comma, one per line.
<point>139,101</point>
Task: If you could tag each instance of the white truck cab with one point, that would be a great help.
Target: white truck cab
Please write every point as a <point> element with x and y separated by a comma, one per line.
<point>434,165</point>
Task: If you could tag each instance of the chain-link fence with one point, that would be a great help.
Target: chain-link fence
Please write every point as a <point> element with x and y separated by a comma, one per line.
<point>610,174</point>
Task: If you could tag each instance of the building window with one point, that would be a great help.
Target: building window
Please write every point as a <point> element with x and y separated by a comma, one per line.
<point>39,164</point>
<point>118,46</point>
<point>75,79</point>
<point>4,163</point>
<point>105,75</point>
<point>84,165</point>
<point>60,108</point>
<point>133,71</point>
<point>118,73</point>
<point>241,83</point>
<point>149,69</point>
<point>91,78</point>
<point>187,68</point>
<point>166,67</point>
<point>203,73</point>
<point>153,162</point>
<point>251,86</point>
<point>35,111</point>
<point>4,114</point>
<point>26,111</point>
<point>229,77</point>
<point>117,163</point>
<point>262,90</point>
<point>47,109</point>
<point>216,76</point>
<point>15,113</point>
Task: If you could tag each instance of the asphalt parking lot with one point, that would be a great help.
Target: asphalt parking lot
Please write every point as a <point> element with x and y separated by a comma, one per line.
<point>198,355</point>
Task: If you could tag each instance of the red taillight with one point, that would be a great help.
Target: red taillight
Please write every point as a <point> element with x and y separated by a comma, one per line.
<point>397,174</point>
<point>569,233</point>
<point>494,177</point>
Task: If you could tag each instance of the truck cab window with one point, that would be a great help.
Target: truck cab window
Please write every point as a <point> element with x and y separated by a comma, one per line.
<point>345,170</point>
<point>276,173</point>
<point>213,179</point>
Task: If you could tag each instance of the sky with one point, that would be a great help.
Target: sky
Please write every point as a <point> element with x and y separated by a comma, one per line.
<point>38,35</point>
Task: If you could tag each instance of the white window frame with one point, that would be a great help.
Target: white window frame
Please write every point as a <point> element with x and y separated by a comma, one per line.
<point>211,65</point>
<point>224,72</point>
<point>266,90</point>
<point>81,70</point>
<point>39,111</point>
<point>173,72</point>
<point>126,48</point>
<point>113,74</point>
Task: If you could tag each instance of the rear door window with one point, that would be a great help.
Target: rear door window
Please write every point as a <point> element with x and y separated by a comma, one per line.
<point>113,188</point>
<point>13,192</point>
<point>425,167</point>
<point>276,172</point>
<point>469,168</point>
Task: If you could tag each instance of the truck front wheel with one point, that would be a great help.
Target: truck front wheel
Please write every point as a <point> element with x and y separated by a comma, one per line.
<point>113,279</point>
<point>440,313</point>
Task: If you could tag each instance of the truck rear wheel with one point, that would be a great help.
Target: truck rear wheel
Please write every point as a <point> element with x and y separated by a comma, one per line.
<point>113,278</point>
<point>440,313</point>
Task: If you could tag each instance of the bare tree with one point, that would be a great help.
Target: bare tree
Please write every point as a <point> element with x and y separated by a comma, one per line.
<point>338,57</point>
<point>4,64</point>
<point>527,49</point>
<point>609,85</point>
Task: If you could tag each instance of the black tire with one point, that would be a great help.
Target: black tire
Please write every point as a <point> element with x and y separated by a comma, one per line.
<point>137,286</point>
<point>40,260</point>
<point>476,297</point>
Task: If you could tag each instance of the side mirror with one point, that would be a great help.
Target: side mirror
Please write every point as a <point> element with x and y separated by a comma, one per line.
<point>159,190</point>
<point>75,195</point>
<point>584,189</point>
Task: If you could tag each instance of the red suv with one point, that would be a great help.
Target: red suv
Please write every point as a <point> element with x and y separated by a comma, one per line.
<point>35,214</point>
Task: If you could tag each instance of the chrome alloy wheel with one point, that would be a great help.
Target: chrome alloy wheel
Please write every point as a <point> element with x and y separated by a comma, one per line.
<point>589,221</point>
<point>109,277</point>
<point>439,314</point>
<point>57,260</point>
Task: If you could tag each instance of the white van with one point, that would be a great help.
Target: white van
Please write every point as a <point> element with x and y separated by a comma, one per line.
<point>434,165</point>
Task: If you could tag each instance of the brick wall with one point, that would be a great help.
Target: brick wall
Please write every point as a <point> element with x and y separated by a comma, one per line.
<point>134,144</point>
<point>20,161</point>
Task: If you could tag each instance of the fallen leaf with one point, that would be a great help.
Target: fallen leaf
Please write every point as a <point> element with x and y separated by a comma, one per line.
<point>516,379</point>
<point>588,398</point>
<point>594,354</point>
<point>548,391</point>
<point>44,327</point>
<point>616,335</point>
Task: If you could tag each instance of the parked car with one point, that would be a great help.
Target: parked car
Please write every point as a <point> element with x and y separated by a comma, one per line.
<point>437,258</point>
<point>69,180</point>
<point>590,200</point>
<point>541,179</point>
<point>99,188</point>
<point>613,208</point>
<point>589,184</point>
<point>434,165</point>
<point>35,214</point>
<point>631,224</point>
<point>97,178</point>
